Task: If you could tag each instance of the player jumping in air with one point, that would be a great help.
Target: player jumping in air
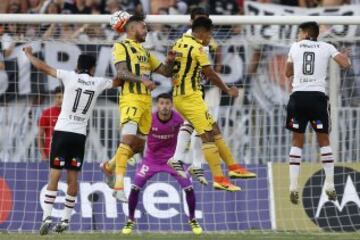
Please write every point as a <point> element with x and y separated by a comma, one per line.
<point>134,65</point>
<point>307,64</point>
<point>187,131</point>
<point>68,142</point>
<point>190,60</point>
<point>160,147</point>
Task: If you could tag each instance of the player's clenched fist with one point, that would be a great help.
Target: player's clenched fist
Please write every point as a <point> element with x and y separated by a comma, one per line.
<point>233,91</point>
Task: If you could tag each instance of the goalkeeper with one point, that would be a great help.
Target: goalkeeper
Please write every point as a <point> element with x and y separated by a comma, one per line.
<point>160,147</point>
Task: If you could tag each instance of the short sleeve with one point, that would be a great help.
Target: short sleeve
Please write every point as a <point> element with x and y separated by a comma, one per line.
<point>64,76</point>
<point>44,120</point>
<point>290,54</point>
<point>119,53</point>
<point>154,62</point>
<point>332,50</point>
<point>105,83</point>
<point>201,56</point>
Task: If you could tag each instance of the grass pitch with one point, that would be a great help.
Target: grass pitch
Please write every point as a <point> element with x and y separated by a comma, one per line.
<point>251,235</point>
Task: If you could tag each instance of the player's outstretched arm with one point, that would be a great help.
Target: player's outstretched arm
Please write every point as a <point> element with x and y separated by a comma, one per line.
<point>38,63</point>
<point>167,68</point>
<point>216,80</point>
<point>123,74</point>
<point>342,59</point>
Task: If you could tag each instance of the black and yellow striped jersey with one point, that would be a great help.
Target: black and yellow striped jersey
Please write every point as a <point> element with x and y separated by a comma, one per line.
<point>139,61</point>
<point>190,58</point>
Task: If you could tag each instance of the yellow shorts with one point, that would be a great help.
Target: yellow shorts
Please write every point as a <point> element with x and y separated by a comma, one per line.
<point>136,108</point>
<point>194,109</point>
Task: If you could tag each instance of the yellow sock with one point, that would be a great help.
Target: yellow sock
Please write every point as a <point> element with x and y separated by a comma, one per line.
<point>123,153</point>
<point>112,164</point>
<point>224,150</point>
<point>212,156</point>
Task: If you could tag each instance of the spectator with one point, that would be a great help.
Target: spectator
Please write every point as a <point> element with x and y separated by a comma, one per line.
<point>113,6</point>
<point>47,123</point>
<point>224,7</point>
<point>78,7</point>
<point>132,6</point>
<point>35,6</point>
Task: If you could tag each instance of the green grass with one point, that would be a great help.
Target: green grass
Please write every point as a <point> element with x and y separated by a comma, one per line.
<point>251,235</point>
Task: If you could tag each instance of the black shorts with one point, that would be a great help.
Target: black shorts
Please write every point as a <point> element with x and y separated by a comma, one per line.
<point>67,150</point>
<point>304,107</point>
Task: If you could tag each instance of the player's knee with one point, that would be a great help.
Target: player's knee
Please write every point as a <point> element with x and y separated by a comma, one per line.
<point>187,127</point>
<point>207,137</point>
<point>135,188</point>
<point>323,139</point>
<point>129,128</point>
<point>216,129</point>
<point>189,189</point>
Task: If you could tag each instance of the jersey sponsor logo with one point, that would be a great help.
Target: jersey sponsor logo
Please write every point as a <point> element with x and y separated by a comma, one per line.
<point>142,59</point>
<point>340,215</point>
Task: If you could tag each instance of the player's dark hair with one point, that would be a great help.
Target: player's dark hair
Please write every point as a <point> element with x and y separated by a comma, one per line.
<point>164,96</point>
<point>134,18</point>
<point>311,28</point>
<point>85,63</point>
<point>198,11</point>
<point>204,23</point>
<point>58,89</point>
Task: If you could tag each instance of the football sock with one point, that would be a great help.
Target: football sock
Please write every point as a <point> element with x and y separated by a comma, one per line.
<point>133,200</point>
<point>224,150</point>
<point>183,141</point>
<point>327,160</point>
<point>197,154</point>
<point>212,156</point>
<point>294,167</point>
<point>49,200</point>
<point>123,153</point>
<point>191,202</point>
<point>69,206</point>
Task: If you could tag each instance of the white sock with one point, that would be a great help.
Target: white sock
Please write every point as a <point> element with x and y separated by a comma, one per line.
<point>183,141</point>
<point>197,154</point>
<point>294,167</point>
<point>327,160</point>
<point>49,200</point>
<point>68,208</point>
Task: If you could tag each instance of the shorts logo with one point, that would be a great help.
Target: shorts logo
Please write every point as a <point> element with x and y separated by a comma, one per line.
<point>294,123</point>
<point>59,162</point>
<point>75,163</point>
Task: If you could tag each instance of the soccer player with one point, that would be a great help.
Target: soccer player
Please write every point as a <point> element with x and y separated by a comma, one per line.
<point>307,64</point>
<point>134,65</point>
<point>68,142</point>
<point>47,123</point>
<point>187,130</point>
<point>160,147</point>
<point>190,60</point>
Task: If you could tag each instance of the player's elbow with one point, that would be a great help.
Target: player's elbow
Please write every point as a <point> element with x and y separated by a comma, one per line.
<point>289,73</point>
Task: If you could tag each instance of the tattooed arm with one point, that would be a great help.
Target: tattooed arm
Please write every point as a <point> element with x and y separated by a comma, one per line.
<point>124,74</point>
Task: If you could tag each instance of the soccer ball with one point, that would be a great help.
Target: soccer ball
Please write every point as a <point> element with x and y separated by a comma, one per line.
<point>118,20</point>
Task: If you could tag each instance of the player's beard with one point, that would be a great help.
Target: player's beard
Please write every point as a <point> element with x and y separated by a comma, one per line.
<point>140,37</point>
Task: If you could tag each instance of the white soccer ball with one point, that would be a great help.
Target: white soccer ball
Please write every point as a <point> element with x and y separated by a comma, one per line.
<point>118,20</point>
